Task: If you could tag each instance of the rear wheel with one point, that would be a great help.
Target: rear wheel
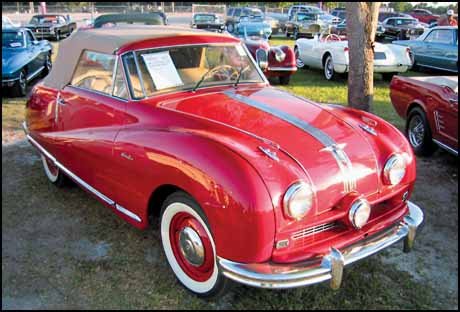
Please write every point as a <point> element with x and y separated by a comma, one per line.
<point>58,36</point>
<point>20,86</point>
<point>329,73</point>
<point>419,133</point>
<point>53,173</point>
<point>189,246</point>
<point>288,35</point>
<point>47,65</point>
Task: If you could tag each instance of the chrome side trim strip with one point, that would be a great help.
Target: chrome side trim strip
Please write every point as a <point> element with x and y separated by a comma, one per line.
<point>330,145</point>
<point>282,68</point>
<point>9,80</point>
<point>444,146</point>
<point>83,183</point>
<point>35,73</point>
<point>128,213</point>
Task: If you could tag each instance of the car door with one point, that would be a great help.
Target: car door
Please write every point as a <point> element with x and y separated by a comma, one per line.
<point>89,116</point>
<point>33,58</point>
<point>439,49</point>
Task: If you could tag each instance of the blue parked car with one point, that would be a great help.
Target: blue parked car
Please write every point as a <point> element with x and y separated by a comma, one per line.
<point>436,48</point>
<point>254,26</point>
<point>23,58</point>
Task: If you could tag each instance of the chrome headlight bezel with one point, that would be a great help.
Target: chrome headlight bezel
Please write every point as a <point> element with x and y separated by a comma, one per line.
<point>298,200</point>
<point>394,170</point>
<point>359,213</point>
<point>280,56</point>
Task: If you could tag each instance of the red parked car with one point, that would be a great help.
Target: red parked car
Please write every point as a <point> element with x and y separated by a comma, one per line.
<point>424,16</point>
<point>276,62</point>
<point>249,182</point>
<point>430,107</point>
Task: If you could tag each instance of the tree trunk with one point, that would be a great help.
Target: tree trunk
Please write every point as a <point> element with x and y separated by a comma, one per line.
<point>362,20</point>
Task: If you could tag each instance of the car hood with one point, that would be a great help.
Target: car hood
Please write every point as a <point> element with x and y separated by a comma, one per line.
<point>264,112</point>
<point>13,59</point>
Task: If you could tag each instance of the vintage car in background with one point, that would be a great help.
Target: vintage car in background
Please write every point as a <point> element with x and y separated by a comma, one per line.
<point>207,21</point>
<point>274,23</point>
<point>51,26</point>
<point>436,48</point>
<point>280,60</point>
<point>341,30</point>
<point>424,16</point>
<point>254,25</point>
<point>234,15</point>
<point>384,15</point>
<point>111,20</point>
<point>280,17</point>
<point>305,24</point>
<point>329,52</point>
<point>248,182</point>
<point>430,107</point>
<point>403,27</point>
<point>23,58</point>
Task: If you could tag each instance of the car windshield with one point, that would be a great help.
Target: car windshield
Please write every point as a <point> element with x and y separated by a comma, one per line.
<point>405,21</point>
<point>181,68</point>
<point>205,18</point>
<point>13,39</point>
<point>306,17</point>
<point>43,20</point>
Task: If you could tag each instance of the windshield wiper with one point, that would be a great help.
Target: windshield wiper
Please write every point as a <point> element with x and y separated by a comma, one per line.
<point>201,80</point>
<point>239,75</point>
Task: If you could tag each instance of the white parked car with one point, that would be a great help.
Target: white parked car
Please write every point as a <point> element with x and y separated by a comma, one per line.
<point>329,52</point>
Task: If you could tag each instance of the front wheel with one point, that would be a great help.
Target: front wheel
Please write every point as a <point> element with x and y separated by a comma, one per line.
<point>298,61</point>
<point>189,246</point>
<point>58,36</point>
<point>230,28</point>
<point>296,34</point>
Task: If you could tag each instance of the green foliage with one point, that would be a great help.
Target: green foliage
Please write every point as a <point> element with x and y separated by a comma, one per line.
<point>401,6</point>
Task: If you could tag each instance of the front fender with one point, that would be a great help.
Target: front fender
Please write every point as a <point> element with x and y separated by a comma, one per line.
<point>229,190</point>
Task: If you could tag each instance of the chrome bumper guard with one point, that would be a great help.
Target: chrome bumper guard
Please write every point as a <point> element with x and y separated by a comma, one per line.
<point>329,267</point>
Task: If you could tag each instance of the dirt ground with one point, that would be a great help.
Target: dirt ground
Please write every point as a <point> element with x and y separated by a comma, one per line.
<point>63,249</point>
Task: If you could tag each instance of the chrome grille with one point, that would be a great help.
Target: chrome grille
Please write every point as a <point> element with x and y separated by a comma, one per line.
<point>313,230</point>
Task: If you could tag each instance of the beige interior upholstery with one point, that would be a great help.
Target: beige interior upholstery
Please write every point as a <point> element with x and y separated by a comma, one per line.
<point>108,40</point>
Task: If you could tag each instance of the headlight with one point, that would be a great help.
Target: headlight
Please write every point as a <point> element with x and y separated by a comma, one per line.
<point>359,213</point>
<point>394,170</point>
<point>298,200</point>
<point>280,55</point>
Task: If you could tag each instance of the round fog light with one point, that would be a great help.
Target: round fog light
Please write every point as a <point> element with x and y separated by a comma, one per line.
<point>359,213</point>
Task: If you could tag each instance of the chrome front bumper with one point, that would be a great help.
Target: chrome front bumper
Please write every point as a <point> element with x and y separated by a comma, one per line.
<point>329,267</point>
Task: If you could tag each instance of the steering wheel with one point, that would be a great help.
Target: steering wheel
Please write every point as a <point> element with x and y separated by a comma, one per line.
<point>332,37</point>
<point>224,72</point>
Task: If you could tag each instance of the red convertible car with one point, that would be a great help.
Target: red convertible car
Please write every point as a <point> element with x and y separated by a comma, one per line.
<point>250,183</point>
<point>275,62</point>
<point>430,107</point>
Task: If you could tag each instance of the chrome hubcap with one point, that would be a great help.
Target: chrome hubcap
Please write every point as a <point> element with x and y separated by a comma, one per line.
<point>191,246</point>
<point>416,131</point>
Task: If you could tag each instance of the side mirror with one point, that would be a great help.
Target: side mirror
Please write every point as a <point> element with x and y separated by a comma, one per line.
<point>35,42</point>
<point>262,59</point>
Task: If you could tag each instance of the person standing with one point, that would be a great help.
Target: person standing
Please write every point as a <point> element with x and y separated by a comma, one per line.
<point>448,20</point>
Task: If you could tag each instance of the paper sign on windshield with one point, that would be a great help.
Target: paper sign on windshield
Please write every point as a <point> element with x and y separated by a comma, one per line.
<point>162,70</point>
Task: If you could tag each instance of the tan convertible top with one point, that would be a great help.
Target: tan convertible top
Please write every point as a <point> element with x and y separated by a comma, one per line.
<point>450,81</point>
<point>106,40</point>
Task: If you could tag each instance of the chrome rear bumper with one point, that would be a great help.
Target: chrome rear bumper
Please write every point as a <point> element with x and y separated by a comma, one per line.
<point>329,267</point>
